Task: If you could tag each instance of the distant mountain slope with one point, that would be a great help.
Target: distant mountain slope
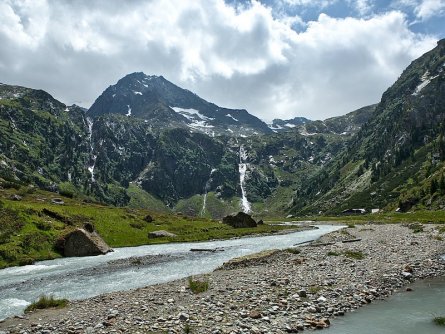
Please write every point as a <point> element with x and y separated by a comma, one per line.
<point>396,158</point>
<point>161,103</point>
<point>113,158</point>
<point>348,124</point>
<point>41,138</point>
<point>279,125</point>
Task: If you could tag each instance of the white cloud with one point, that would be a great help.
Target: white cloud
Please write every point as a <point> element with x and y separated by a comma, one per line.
<point>423,9</point>
<point>24,22</point>
<point>240,57</point>
<point>312,3</point>
<point>335,66</point>
<point>429,8</point>
<point>363,7</point>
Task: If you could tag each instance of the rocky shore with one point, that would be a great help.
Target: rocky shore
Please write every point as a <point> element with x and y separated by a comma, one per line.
<point>274,292</point>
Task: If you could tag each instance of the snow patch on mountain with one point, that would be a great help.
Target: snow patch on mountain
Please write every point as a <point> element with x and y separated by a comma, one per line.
<point>189,112</point>
<point>200,124</point>
<point>425,80</point>
<point>230,116</point>
<point>304,132</point>
<point>275,127</point>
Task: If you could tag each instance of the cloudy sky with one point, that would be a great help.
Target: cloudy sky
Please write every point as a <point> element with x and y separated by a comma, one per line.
<point>276,58</point>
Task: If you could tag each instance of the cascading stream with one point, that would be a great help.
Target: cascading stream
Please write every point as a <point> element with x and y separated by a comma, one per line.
<point>242,167</point>
<point>93,156</point>
<point>206,189</point>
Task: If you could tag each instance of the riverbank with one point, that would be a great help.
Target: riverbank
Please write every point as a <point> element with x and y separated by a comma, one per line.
<point>31,227</point>
<point>280,292</point>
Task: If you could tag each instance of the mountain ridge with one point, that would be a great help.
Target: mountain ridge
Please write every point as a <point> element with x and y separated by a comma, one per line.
<point>159,101</point>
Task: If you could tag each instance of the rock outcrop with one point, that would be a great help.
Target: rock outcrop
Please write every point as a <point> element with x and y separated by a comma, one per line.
<point>240,220</point>
<point>81,242</point>
<point>148,219</point>
<point>161,234</point>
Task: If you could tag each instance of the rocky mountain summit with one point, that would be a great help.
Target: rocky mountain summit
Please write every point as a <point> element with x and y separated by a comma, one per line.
<point>161,103</point>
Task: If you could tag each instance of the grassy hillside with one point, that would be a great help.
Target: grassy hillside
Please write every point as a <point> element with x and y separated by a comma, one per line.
<point>30,227</point>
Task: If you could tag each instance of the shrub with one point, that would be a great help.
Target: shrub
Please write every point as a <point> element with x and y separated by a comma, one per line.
<point>67,189</point>
<point>46,302</point>
<point>9,185</point>
<point>10,254</point>
<point>416,227</point>
<point>198,286</point>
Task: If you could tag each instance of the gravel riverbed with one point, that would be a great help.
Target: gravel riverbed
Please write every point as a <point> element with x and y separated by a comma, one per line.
<point>273,292</point>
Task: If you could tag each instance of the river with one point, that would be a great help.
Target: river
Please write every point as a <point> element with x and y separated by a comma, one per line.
<point>404,312</point>
<point>84,277</point>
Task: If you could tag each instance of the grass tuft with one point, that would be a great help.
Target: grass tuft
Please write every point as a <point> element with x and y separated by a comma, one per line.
<point>332,253</point>
<point>313,289</point>
<point>357,255</point>
<point>46,302</point>
<point>198,286</point>
<point>439,320</point>
<point>416,227</point>
<point>441,229</point>
<point>187,329</point>
<point>293,250</point>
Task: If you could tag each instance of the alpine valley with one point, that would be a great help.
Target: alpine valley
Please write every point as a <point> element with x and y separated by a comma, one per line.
<point>147,143</point>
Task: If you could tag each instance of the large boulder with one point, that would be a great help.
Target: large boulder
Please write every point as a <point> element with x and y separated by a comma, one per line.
<point>81,242</point>
<point>161,234</point>
<point>148,219</point>
<point>240,220</point>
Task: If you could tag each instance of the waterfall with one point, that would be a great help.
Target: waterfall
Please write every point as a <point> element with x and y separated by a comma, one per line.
<point>206,189</point>
<point>242,167</point>
<point>93,156</point>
